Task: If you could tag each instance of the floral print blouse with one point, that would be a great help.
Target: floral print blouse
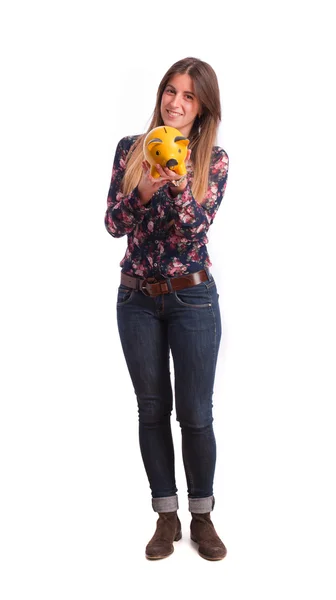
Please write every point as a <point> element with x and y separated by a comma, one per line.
<point>168,236</point>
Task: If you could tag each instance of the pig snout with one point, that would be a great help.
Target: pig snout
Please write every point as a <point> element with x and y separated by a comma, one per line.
<point>171,163</point>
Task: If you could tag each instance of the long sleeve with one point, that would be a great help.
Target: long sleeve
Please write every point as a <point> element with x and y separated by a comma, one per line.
<point>192,220</point>
<point>124,212</point>
<point>169,234</point>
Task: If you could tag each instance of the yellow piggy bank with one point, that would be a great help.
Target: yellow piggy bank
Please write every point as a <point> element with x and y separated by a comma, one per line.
<point>167,147</point>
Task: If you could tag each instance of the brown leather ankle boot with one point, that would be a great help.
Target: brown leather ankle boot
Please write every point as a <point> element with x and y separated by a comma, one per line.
<point>202,532</point>
<point>168,530</point>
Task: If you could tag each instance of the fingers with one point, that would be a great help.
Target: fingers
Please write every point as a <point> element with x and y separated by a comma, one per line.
<point>147,170</point>
<point>154,181</point>
<point>164,172</point>
<point>167,173</point>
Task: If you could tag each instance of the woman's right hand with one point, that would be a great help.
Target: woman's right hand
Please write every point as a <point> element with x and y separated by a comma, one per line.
<point>148,185</point>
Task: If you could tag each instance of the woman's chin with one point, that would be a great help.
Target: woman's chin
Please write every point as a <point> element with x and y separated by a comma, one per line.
<point>171,122</point>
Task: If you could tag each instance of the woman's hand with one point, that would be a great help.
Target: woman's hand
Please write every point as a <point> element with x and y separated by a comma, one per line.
<point>174,189</point>
<point>149,185</point>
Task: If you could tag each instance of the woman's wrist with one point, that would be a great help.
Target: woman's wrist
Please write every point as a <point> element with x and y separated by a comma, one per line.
<point>144,196</point>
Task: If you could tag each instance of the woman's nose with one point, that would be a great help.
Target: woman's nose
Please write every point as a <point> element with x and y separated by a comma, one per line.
<point>175,100</point>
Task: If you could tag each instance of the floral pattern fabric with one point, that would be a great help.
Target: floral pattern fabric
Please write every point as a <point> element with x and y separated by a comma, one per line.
<point>168,236</point>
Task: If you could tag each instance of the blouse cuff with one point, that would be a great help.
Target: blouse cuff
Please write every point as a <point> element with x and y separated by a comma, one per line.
<point>178,199</point>
<point>133,203</point>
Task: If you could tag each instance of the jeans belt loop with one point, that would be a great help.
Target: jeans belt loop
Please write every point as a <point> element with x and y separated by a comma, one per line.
<point>169,284</point>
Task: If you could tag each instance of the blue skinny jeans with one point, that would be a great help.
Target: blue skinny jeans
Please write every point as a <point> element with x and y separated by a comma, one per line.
<point>188,323</point>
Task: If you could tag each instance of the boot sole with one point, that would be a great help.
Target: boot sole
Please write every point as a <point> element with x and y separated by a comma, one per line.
<point>207,557</point>
<point>159,557</point>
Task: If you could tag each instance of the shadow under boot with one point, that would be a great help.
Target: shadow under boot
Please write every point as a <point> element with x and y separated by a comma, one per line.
<point>168,530</point>
<point>203,533</point>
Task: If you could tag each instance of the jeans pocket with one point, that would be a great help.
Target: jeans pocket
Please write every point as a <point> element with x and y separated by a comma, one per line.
<point>124,295</point>
<point>196,296</point>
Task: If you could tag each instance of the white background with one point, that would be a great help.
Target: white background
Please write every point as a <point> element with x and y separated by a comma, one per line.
<point>75,503</point>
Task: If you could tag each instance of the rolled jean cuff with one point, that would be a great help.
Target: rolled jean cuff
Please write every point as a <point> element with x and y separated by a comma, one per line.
<point>166,504</point>
<point>201,505</point>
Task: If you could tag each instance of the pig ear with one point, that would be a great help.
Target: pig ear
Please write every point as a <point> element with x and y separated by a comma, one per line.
<point>154,141</point>
<point>181,140</point>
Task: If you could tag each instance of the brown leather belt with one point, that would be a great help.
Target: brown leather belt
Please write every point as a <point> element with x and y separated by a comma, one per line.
<point>153,287</point>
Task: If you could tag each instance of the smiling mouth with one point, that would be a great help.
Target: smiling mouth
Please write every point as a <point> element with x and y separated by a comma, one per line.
<point>172,113</point>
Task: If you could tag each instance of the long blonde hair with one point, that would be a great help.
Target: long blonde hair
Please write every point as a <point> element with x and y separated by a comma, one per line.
<point>202,135</point>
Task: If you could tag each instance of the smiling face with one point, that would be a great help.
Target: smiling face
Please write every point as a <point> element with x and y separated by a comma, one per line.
<point>179,105</point>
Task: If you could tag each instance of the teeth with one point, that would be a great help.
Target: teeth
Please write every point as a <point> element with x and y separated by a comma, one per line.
<point>175,114</point>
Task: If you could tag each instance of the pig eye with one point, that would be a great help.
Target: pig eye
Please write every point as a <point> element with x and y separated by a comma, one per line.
<point>157,153</point>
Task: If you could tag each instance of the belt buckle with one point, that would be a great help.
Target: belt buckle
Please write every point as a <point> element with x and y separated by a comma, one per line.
<point>143,286</point>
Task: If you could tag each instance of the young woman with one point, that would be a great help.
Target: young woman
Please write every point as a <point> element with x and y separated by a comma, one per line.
<point>167,298</point>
